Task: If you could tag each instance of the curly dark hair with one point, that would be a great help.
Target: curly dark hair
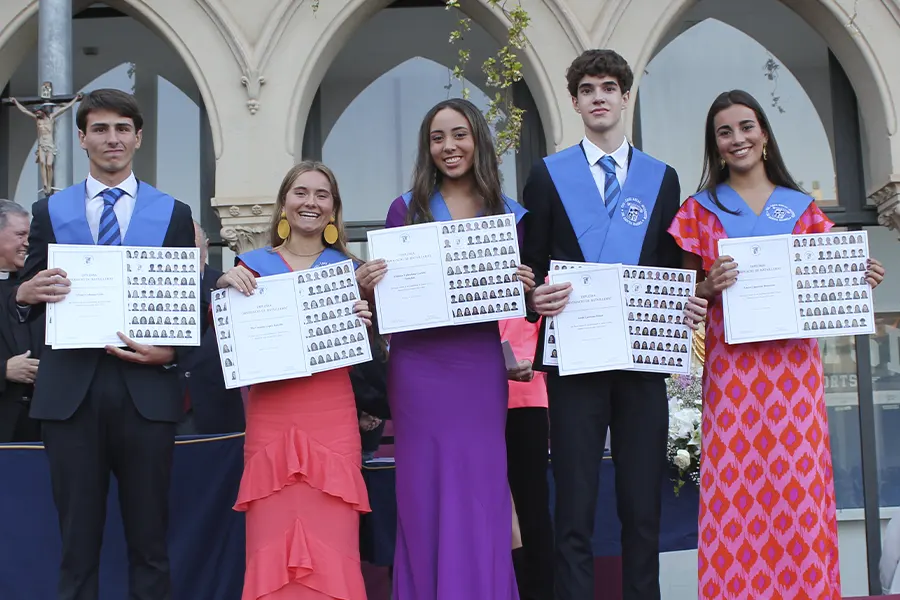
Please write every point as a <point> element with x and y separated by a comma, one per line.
<point>599,63</point>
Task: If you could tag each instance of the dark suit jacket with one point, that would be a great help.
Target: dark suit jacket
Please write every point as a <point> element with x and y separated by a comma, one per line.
<point>15,338</point>
<point>215,408</point>
<point>65,376</point>
<point>549,234</point>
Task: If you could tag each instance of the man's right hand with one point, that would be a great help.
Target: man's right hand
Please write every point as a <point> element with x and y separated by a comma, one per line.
<point>550,300</point>
<point>22,369</point>
<point>50,285</point>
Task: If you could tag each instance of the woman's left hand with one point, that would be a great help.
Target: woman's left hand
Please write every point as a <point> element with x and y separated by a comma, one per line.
<point>526,276</point>
<point>695,312</point>
<point>875,273</point>
<point>361,310</point>
<point>521,372</point>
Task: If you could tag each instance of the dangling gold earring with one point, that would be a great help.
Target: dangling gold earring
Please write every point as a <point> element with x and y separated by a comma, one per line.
<point>765,153</point>
<point>284,228</point>
<point>721,163</point>
<point>330,233</point>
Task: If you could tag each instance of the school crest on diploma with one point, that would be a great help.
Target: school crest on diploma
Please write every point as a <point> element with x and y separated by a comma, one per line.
<point>780,212</point>
<point>633,211</point>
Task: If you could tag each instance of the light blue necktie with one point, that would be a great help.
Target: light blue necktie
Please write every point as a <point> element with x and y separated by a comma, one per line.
<point>109,234</point>
<point>611,190</point>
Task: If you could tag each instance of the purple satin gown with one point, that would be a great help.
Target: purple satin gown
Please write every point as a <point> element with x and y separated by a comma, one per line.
<point>448,393</point>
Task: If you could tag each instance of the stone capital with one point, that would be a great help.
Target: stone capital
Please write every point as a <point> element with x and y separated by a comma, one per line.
<point>245,221</point>
<point>887,199</point>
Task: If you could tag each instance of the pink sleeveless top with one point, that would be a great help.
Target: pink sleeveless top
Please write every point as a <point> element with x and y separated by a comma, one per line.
<point>523,337</point>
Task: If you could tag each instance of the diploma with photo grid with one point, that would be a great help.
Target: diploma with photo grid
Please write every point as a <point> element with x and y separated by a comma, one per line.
<point>591,333</point>
<point>150,294</point>
<point>655,298</point>
<point>293,325</point>
<point>798,286</point>
<point>448,273</point>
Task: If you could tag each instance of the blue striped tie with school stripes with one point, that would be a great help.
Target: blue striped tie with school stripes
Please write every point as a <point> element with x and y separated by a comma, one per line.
<point>109,234</point>
<point>611,190</point>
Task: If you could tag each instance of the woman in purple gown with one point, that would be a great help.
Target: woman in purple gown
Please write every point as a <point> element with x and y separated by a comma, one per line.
<point>448,391</point>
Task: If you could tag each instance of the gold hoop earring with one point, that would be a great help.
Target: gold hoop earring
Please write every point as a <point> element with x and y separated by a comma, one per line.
<point>330,233</point>
<point>721,163</point>
<point>284,228</point>
<point>765,153</point>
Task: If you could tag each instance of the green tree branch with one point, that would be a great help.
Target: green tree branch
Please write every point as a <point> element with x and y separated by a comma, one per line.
<point>501,71</point>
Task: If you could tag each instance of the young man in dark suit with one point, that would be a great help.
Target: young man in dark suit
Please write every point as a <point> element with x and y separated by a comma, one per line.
<point>107,410</point>
<point>602,201</point>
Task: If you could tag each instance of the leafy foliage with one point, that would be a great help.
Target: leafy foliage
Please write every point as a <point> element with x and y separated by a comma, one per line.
<point>501,70</point>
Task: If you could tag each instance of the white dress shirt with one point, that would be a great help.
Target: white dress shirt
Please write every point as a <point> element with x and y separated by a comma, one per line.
<point>619,156</point>
<point>124,207</point>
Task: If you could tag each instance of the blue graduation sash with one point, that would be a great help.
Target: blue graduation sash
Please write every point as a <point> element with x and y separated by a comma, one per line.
<point>605,239</point>
<point>148,226</point>
<point>440,212</point>
<point>779,216</point>
<point>266,261</point>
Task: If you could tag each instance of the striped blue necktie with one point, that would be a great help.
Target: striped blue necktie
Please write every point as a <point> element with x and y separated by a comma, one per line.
<point>611,190</point>
<point>109,234</point>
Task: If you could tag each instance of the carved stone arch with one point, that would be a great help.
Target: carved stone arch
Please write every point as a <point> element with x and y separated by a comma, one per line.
<point>779,49</point>
<point>570,24</point>
<point>252,55</point>
<point>361,86</point>
<point>343,22</point>
<point>637,27</point>
<point>19,36</point>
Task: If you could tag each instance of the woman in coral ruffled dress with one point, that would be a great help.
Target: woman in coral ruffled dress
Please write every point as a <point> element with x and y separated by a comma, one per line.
<point>302,487</point>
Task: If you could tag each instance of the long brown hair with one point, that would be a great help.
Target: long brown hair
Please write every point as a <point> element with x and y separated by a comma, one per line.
<point>427,177</point>
<point>713,171</point>
<point>288,182</point>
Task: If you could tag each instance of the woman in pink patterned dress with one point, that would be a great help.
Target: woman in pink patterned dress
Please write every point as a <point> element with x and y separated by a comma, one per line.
<point>767,510</point>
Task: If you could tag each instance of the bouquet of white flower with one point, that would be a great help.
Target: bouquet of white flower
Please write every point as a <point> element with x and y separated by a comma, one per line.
<point>685,412</point>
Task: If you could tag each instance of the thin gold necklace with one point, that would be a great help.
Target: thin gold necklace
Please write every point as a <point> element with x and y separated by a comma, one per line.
<point>289,251</point>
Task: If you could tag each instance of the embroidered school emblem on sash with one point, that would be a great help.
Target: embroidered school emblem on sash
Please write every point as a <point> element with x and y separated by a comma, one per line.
<point>633,211</point>
<point>780,212</point>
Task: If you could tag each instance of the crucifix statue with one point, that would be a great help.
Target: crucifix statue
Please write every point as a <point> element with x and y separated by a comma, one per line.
<point>48,108</point>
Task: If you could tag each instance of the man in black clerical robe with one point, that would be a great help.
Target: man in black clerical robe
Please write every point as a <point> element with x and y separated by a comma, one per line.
<point>20,343</point>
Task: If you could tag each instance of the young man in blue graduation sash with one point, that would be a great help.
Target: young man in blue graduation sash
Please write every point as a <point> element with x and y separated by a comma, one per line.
<point>602,201</point>
<point>109,410</point>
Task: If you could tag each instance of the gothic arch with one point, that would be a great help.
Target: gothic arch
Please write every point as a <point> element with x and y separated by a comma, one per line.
<point>350,18</point>
<point>19,37</point>
<point>828,18</point>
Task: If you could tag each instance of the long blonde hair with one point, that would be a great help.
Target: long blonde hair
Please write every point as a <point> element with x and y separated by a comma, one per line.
<point>297,170</point>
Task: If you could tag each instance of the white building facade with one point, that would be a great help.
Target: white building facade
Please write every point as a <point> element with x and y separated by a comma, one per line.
<point>235,92</point>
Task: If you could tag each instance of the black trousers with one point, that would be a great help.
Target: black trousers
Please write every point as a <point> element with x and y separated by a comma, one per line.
<point>634,407</point>
<point>16,425</point>
<point>108,435</point>
<point>527,436</point>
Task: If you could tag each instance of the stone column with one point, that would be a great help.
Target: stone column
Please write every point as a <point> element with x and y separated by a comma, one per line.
<point>887,199</point>
<point>245,221</point>
<point>55,66</point>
